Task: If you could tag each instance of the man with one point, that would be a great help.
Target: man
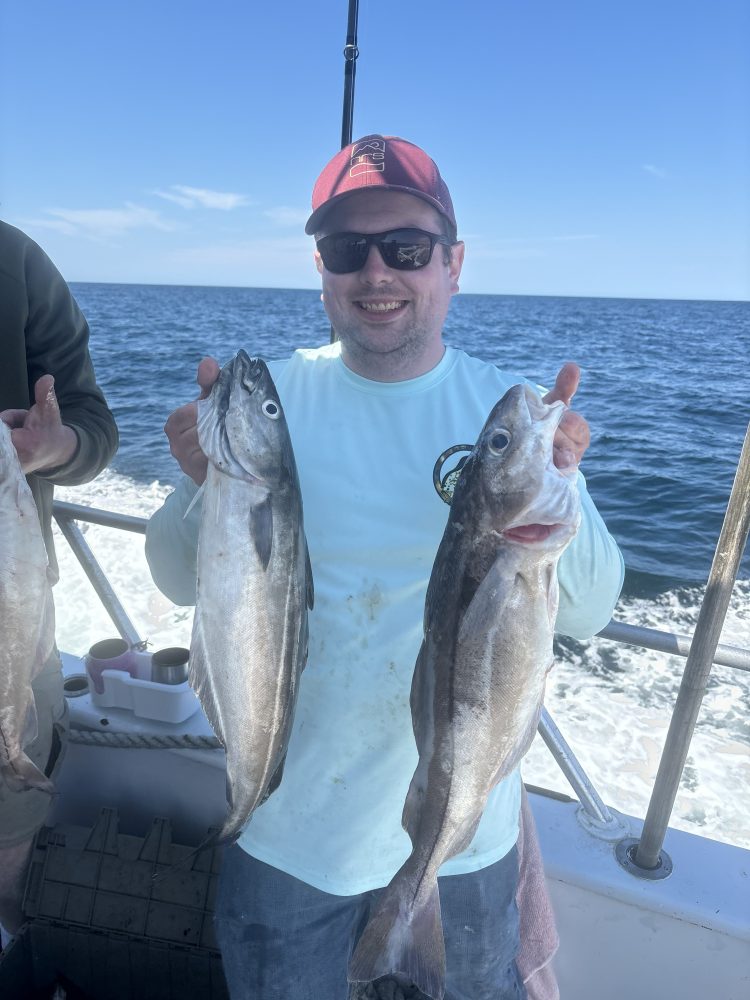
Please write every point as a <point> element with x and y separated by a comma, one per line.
<point>64,434</point>
<point>369,417</point>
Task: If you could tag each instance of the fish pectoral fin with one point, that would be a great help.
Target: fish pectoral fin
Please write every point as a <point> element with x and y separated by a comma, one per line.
<point>198,497</point>
<point>261,530</point>
<point>487,605</point>
<point>310,593</point>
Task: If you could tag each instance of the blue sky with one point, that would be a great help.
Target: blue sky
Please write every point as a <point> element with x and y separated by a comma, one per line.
<point>591,148</point>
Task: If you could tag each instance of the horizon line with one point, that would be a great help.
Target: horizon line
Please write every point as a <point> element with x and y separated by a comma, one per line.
<point>460,295</point>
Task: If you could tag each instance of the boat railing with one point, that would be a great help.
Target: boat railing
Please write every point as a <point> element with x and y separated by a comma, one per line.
<point>66,515</point>
<point>701,651</point>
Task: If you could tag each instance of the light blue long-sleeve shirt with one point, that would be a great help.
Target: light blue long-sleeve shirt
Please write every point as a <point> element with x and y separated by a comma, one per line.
<point>365,453</point>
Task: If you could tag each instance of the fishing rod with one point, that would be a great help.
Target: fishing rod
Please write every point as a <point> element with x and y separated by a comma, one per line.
<point>350,68</point>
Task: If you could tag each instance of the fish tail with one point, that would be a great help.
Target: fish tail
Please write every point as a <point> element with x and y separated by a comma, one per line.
<point>403,939</point>
<point>21,773</point>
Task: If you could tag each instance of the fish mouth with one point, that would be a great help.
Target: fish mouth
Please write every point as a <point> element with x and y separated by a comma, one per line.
<point>247,368</point>
<point>527,534</point>
<point>241,369</point>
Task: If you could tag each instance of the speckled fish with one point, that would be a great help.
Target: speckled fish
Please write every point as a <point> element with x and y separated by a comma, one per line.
<point>249,642</point>
<point>27,619</point>
<point>478,684</point>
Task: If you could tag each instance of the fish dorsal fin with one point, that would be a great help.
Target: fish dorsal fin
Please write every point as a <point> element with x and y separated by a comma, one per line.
<point>198,496</point>
<point>261,530</point>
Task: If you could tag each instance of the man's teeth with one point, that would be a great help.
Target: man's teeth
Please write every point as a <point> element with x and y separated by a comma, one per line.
<point>380,306</point>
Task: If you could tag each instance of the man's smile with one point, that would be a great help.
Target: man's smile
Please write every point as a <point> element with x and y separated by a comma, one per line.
<point>381,307</point>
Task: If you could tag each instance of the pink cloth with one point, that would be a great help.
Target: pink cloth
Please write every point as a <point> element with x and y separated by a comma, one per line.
<point>539,938</point>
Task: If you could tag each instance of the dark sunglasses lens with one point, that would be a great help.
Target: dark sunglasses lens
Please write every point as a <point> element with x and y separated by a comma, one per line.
<point>406,249</point>
<point>402,249</point>
<point>343,253</point>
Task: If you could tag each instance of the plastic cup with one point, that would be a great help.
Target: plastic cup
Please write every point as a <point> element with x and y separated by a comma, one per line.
<point>108,654</point>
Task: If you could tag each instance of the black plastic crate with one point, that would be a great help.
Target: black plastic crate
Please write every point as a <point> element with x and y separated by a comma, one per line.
<point>101,924</point>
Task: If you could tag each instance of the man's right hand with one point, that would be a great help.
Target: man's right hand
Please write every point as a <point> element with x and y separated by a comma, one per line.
<point>181,427</point>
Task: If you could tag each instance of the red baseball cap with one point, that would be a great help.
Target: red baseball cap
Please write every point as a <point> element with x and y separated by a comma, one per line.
<point>379,161</point>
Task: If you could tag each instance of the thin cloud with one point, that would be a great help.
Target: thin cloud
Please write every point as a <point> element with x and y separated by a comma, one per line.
<point>285,216</point>
<point>101,223</point>
<point>190,197</point>
<point>655,171</point>
<point>177,199</point>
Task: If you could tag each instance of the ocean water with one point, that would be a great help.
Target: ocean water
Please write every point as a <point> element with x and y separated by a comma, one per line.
<point>665,388</point>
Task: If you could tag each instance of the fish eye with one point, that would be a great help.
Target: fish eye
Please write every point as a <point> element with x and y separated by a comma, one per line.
<point>499,442</point>
<point>271,409</point>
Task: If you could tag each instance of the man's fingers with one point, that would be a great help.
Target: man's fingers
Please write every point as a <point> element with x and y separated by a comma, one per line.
<point>181,427</point>
<point>14,418</point>
<point>572,438</point>
<point>44,389</point>
<point>208,372</point>
<point>565,385</point>
<point>182,419</point>
<point>575,428</point>
<point>45,408</point>
<point>48,409</point>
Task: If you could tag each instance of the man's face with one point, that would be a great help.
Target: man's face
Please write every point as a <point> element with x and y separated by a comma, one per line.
<point>389,322</point>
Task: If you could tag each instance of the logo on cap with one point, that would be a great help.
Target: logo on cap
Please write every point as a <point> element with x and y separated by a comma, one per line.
<point>368,157</point>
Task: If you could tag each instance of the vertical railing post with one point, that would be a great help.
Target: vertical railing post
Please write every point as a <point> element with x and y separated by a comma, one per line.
<point>713,610</point>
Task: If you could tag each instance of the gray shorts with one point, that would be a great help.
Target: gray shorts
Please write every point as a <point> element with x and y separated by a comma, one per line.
<point>23,813</point>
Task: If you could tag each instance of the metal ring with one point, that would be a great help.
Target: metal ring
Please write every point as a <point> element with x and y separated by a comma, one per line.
<point>441,485</point>
<point>625,852</point>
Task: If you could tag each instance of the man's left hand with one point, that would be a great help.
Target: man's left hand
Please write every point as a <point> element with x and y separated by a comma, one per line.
<point>40,437</point>
<point>573,436</point>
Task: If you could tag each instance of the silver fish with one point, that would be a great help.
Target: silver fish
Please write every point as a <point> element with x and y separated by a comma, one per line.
<point>249,641</point>
<point>27,619</point>
<point>479,679</point>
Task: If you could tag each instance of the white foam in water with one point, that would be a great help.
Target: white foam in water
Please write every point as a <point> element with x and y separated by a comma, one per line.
<point>614,705</point>
<point>81,618</point>
<point>612,702</point>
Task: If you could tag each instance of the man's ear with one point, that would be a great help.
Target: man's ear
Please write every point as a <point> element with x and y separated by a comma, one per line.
<point>457,262</point>
<point>318,261</point>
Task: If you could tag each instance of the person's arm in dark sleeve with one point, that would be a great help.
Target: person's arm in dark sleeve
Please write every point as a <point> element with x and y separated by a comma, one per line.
<point>57,336</point>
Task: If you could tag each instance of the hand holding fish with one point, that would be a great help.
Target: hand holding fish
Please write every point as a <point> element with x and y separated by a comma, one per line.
<point>39,436</point>
<point>181,427</point>
<point>573,435</point>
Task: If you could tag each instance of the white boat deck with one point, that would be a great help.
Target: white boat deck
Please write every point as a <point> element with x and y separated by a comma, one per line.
<point>622,937</point>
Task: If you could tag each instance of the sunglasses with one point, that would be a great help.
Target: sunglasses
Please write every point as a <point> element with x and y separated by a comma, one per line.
<point>402,249</point>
